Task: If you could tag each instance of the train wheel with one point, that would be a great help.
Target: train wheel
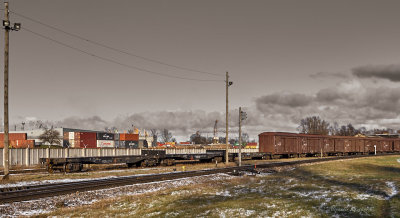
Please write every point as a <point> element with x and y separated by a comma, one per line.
<point>144,163</point>
<point>49,168</point>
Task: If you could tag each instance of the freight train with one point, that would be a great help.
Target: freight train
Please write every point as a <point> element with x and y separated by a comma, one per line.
<point>282,144</point>
<point>271,145</point>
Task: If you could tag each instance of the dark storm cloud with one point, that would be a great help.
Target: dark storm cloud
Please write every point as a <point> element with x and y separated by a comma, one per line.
<point>290,100</point>
<point>348,102</point>
<point>323,75</point>
<point>390,72</point>
<point>94,123</point>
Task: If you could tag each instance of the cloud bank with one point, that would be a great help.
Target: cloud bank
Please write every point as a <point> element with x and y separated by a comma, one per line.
<point>361,99</point>
<point>389,72</point>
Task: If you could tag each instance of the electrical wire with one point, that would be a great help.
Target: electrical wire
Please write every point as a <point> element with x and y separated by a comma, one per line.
<point>112,48</point>
<point>114,61</point>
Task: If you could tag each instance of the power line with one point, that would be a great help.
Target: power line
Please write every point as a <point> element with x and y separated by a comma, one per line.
<point>116,62</point>
<point>112,48</point>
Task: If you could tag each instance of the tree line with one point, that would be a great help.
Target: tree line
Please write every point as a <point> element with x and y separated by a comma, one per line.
<point>317,126</point>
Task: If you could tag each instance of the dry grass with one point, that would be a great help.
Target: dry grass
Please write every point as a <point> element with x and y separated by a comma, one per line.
<point>351,188</point>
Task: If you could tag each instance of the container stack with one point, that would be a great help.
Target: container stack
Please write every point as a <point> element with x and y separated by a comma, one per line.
<point>85,140</point>
<point>17,140</point>
<point>127,140</point>
<point>79,139</point>
<point>105,140</point>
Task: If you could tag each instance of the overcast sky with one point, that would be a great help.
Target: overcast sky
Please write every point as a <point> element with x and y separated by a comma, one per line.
<point>288,60</point>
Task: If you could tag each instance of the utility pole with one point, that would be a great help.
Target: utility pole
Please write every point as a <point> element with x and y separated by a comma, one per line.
<point>228,83</point>
<point>240,136</point>
<point>6,130</point>
<point>242,116</point>
<point>7,27</point>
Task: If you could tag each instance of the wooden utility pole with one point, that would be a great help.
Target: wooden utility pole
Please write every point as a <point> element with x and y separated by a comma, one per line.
<point>240,136</point>
<point>6,130</point>
<point>7,27</point>
<point>228,83</point>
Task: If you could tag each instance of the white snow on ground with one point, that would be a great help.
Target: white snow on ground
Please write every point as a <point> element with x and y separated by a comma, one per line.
<point>393,190</point>
<point>49,204</point>
<point>226,213</point>
<point>225,193</point>
<point>363,196</point>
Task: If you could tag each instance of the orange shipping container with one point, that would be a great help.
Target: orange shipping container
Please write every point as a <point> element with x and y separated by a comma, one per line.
<point>66,136</point>
<point>128,137</point>
<point>14,136</point>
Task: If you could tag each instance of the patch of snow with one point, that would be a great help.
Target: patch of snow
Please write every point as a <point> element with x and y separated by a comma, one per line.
<point>225,193</point>
<point>363,196</point>
<point>33,212</point>
<point>393,190</point>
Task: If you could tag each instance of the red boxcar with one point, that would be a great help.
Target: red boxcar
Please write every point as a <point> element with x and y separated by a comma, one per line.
<point>281,143</point>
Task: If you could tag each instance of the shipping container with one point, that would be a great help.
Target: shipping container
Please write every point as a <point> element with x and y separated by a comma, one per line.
<point>66,136</point>
<point>19,144</point>
<point>71,135</point>
<point>105,136</point>
<point>14,136</point>
<point>85,140</point>
<point>129,144</point>
<point>128,137</point>
<point>105,144</point>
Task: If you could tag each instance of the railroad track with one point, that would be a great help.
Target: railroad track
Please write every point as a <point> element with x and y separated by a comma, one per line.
<point>22,193</point>
<point>25,171</point>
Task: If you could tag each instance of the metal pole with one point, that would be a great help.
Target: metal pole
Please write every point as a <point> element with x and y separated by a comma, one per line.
<point>6,127</point>
<point>240,136</point>
<point>227,114</point>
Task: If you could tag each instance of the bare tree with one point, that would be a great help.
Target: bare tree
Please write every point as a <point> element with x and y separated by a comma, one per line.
<point>314,125</point>
<point>166,135</point>
<point>334,129</point>
<point>348,130</point>
<point>50,136</point>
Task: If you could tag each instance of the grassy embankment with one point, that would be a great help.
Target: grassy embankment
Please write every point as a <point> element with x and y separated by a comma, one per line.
<point>351,188</point>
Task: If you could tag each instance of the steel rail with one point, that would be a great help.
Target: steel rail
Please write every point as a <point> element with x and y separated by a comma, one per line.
<point>23,193</point>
